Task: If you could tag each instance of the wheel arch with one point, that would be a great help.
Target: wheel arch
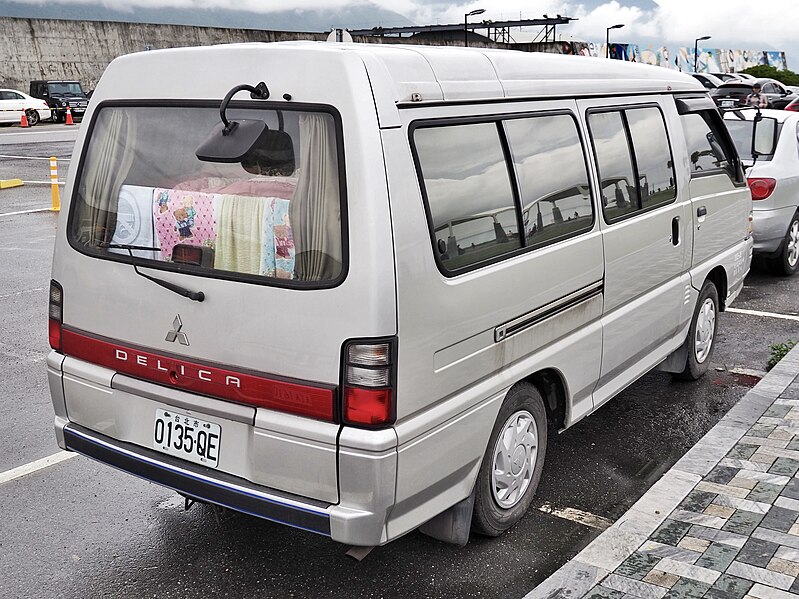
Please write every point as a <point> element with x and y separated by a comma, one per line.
<point>718,276</point>
<point>553,388</point>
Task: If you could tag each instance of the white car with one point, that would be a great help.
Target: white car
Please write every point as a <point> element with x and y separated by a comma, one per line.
<point>770,153</point>
<point>13,103</point>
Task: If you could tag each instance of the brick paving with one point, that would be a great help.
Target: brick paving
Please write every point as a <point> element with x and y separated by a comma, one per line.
<point>730,529</point>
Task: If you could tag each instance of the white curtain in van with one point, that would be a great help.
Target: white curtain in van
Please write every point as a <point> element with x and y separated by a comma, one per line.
<point>315,211</point>
<point>107,167</point>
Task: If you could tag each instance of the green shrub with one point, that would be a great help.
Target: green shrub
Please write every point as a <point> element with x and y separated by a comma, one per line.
<point>778,352</point>
<point>785,77</point>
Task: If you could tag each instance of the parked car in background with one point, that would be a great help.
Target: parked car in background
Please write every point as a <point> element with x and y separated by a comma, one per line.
<point>61,95</point>
<point>734,93</point>
<point>769,149</point>
<point>793,106</point>
<point>725,77</point>
<point>13,103</point>
<point>709,80</point>
<point>746,76</point>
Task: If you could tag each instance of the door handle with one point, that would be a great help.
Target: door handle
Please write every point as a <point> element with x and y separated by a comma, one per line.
<point>701,211</point>
<point>675,230</point>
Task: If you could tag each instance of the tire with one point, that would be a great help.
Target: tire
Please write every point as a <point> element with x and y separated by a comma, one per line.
<point>787,263</point>
<point>33,117</point>
<point>701,339</point>
<point>498,505</point>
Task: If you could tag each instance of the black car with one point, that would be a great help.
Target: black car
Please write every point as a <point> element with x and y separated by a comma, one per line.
<point>59,95</point>
<point>734,93</point>
<point>709,80</point>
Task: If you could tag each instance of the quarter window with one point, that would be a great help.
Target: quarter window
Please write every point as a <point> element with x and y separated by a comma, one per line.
<point>553,180</point>
<point>469,193</point>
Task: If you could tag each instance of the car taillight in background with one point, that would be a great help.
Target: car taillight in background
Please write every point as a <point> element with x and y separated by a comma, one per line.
<point>762,187</point>
<point>793,106</point>
<point>368,380</point>
<point>56,314</point>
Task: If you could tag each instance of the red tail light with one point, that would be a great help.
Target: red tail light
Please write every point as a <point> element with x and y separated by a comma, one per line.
<point>761,187</point>
<point>369,376</point>
<point>55,311</point>
<point>793,106</point>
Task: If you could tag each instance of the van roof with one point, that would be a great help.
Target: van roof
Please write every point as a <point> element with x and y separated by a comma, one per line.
<point>410,73</point>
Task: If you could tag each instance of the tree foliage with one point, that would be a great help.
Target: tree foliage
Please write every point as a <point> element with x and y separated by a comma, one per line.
<point>785,77</point>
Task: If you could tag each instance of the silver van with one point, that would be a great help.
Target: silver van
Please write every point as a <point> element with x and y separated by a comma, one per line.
<point>358,298</point>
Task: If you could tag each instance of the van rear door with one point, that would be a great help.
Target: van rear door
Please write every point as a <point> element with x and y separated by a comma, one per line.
<point>267,243</point>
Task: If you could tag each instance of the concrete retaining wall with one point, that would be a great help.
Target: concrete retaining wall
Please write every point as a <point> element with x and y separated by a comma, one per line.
<point>81,50</point>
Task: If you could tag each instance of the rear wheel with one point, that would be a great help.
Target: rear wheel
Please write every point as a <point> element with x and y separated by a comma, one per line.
<point>701,339</point>
<point>787,262</point>
<point>512,465</point>
<point>33,117</point>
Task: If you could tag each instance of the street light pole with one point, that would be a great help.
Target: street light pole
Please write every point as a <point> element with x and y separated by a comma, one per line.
<point>477,11</point>
<point>607,38</point>
<point>696,49</point>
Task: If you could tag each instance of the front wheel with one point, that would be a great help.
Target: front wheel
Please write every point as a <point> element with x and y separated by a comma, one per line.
<point>33,117</point>
<point>513,462</point>
<point>701,339</point>
<point>787,262</point>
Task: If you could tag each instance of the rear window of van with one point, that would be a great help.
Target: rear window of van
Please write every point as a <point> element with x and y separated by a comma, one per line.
<point>276,217</point>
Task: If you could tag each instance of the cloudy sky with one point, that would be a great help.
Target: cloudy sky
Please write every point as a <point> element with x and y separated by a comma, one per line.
<point>752,24</point>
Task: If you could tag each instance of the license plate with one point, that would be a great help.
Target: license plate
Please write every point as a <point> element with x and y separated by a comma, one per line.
<point>728,103</point>
<point>187,437</point>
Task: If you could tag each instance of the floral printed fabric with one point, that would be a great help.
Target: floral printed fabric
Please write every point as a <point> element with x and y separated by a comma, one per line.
<point>185,217</point>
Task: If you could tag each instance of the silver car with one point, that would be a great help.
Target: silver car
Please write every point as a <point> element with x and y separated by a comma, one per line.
<point>770,152</point>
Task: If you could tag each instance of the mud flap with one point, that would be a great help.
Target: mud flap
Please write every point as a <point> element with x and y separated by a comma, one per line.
<point>452,525</point>
<point>676,361</point>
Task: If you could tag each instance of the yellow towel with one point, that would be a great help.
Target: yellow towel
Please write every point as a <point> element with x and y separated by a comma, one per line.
<point>239,234</point>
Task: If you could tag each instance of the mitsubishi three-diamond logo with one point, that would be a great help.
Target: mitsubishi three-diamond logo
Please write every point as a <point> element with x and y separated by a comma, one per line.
<point>175,333</point>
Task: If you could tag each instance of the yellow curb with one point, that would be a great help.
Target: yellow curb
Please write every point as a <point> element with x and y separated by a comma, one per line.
<point>7,183</point>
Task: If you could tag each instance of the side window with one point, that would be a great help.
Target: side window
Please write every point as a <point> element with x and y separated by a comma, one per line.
<point>15,96</point>
<point>552,176</point>
<point>616,173</point>
<point>707,150</point>
<point>652,156</point>
<point>469,194</point>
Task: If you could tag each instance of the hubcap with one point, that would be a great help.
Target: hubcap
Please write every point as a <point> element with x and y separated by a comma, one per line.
<point>515,455</point>
<point>793,244</point>
<point>705,327</point>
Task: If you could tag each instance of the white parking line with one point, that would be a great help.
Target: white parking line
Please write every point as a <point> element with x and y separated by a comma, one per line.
<point>579,516</point>
<point>32,467</point>
<point>766,314</point>
<point>25,212</point>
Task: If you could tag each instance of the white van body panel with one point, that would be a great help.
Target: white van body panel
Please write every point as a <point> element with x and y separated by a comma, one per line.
<point>458,353</point>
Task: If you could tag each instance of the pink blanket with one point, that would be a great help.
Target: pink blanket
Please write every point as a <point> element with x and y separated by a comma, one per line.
<point>183,217</point>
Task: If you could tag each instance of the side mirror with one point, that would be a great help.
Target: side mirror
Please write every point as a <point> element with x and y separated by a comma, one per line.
<point>764,136</point>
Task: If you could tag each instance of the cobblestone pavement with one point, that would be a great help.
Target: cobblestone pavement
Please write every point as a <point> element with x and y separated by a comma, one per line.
<point>722,523</point>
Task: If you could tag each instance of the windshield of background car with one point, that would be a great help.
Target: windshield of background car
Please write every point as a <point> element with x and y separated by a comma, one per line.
<point>65,88</point>
<point>741,133</point>
<point>276,217</point>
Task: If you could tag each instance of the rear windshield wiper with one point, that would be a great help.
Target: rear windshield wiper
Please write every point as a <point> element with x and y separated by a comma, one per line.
<point>196,296</point>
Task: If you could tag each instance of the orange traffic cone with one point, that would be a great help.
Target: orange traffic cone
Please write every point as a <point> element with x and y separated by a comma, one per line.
<point>23,122</point>
<point>69,120</point>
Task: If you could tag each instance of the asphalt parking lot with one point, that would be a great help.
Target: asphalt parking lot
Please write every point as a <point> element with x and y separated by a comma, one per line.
<point>79,529</point>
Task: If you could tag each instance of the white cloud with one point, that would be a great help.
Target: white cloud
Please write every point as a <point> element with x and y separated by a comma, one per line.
<point>766,24</point>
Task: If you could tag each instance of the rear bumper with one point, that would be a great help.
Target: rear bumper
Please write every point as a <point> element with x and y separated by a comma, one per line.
<point>220,489</point>
<point>770,227</point>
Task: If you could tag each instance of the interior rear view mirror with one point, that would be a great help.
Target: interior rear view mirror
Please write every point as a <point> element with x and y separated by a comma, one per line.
<point>248,141</point>
<point>764,136</point>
